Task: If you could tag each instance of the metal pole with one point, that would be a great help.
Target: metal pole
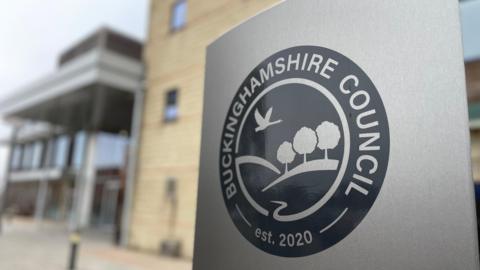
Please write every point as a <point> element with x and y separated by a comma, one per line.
<point>132,165</point>
<point>3,198</point>
<point>41,200</point>
<point>75,234</point>
<point>43,184</point>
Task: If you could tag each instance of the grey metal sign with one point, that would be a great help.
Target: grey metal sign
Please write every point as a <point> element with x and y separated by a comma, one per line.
<point>335,135</point>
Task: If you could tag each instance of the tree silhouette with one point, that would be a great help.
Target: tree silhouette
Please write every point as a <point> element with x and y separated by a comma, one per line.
<point>304,142</point>
<point>285,154</point>
<point>328,136</point>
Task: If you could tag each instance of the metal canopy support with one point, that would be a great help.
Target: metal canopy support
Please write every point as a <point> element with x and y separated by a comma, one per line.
<point>4,189</point>
<point>132,166</point>
<point>41,200</point>
<point>85,186</point>
<point>43,189</point>
<point>88,183</point>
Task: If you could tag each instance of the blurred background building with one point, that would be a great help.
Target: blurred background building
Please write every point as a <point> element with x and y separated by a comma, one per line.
<point>98,145</point>
<point>71,134</point>
<point>471,40</point>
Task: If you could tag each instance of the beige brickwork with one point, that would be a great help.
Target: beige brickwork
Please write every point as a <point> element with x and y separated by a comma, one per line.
<point>171,150</point>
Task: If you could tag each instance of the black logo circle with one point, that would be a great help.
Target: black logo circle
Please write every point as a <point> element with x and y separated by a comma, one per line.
<point>304,151</point>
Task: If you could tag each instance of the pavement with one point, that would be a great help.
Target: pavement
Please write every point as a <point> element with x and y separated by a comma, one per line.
<point>25,245</point>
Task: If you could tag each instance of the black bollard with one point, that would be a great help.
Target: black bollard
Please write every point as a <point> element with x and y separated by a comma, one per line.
<point>74,246</point>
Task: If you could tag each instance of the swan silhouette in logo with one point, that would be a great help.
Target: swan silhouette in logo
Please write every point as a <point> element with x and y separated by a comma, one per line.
<point>264,122</point>
<point>306,140</point>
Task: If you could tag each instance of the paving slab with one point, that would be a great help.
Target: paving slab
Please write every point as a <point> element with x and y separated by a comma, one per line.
<point>25,245</point>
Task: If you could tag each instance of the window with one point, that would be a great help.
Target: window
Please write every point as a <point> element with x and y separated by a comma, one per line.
<point>60,155</point>
<point>27,158</point>
<point>178,17</point>
<point>171,189</point>
<point>49,153</point>
<point>171,107</point>
<point>16,157</point>
<point>79,149</point>
<point>111,151</point>
<point>37,154</point>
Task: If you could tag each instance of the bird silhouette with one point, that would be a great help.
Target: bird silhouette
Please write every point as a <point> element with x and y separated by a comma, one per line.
<point>264,122</point>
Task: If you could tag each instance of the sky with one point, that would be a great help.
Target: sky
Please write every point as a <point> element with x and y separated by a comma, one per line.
<point>470,11</point>
<point>34,32</point>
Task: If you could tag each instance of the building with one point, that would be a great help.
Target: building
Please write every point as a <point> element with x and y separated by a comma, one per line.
<point>72,133</point>
<point>472,69</point>
<point>471,40</point>
<point>163,215</point>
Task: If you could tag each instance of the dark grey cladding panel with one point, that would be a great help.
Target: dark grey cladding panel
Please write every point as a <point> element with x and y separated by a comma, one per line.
<point>96,107</point>
<point>123,45</point>
<point>79,49</point>
<point>104,38</point>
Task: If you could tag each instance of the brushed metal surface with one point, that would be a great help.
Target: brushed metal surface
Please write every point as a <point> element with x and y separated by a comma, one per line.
<point>424,215</point>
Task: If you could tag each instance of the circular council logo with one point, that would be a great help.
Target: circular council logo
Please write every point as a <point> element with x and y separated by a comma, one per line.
<point>304,151</point>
